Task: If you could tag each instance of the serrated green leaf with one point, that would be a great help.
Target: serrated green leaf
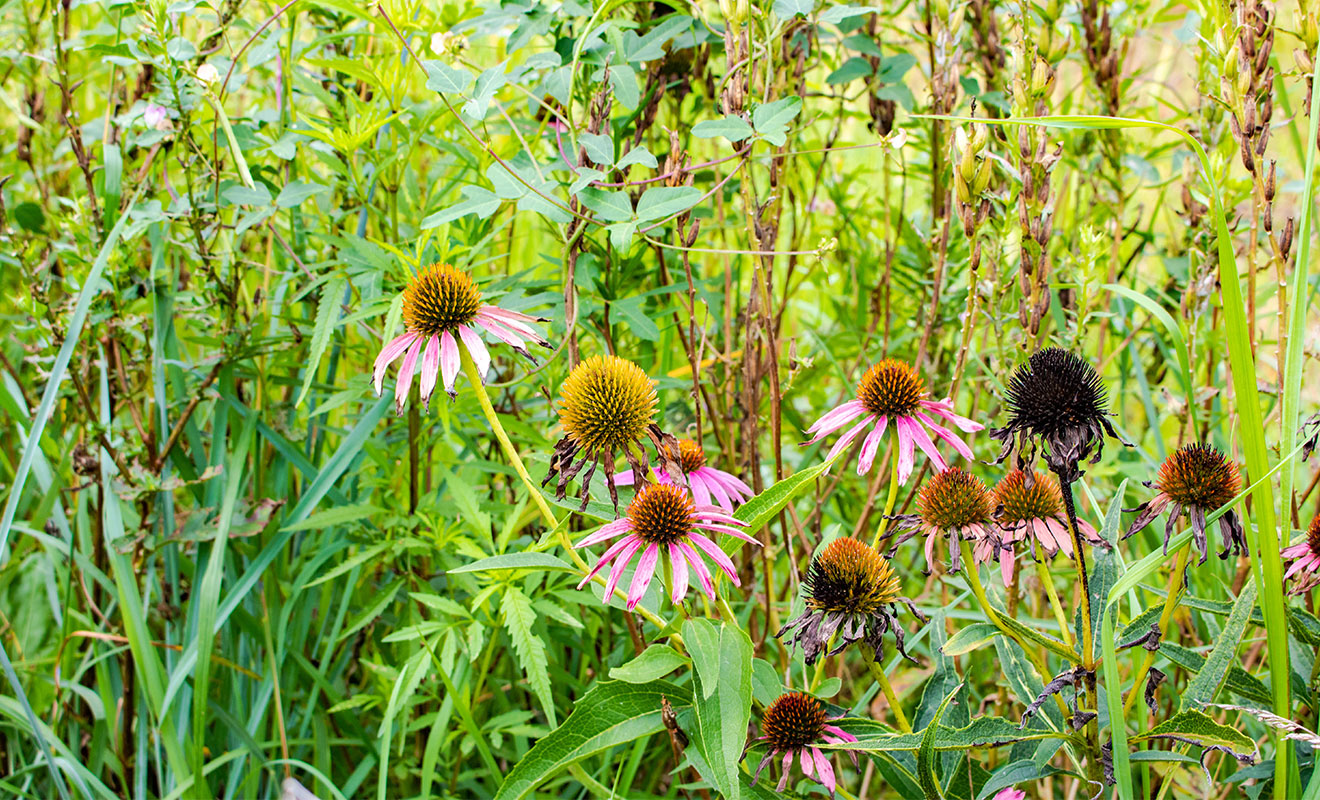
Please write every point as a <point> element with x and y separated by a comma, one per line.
<point>758,511</point>
<point>519,616</point>
<point>930,783</point>
<point>373,610</point>
<point>327,314</point>
<point>1196,727</point>
<point>610,714</point>
<point>722,657</point>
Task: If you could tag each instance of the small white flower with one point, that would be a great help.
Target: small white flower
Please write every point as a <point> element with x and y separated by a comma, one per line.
<point>207,74</point>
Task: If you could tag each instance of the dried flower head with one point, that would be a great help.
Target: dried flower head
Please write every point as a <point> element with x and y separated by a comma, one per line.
<point>664,522</point>
<point>1304,571</point>
<point>1196,479</point>
<point>794,725</point>
<point>852,591</point>
<point>954,503</point>
<point>607,404</point>
<point>893,391</point>
<point>1055,399</point>
<point>442,310</point>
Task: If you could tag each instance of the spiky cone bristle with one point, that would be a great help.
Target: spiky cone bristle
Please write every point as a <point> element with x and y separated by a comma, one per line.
<point>662,513</point>
<point>1199,475</point>
<point>439,299</point>
<point>1022,496</point>
<point>606,403</point>
<point>794,720</point>
<point>953,500</point>
<point>690,455</point>
<point>891,388</point>
<point>850,577</point>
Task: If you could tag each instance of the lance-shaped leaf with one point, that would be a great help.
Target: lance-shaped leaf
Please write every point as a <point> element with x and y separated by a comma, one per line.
<point>1197,728</point>
<point>1208,681</point>
<point>983,732</point>
<point>930,783</point>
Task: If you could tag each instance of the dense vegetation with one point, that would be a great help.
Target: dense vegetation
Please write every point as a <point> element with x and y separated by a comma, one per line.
<point>734,399</point>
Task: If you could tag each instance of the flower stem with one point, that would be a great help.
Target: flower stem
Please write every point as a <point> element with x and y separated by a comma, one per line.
<point>1092,731</point>
<point>878,673</point>
<point>1170,603</point>
<point>889,501</point>
<point>1048,580</point>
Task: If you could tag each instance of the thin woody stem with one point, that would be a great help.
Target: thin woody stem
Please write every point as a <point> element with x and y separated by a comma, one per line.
<point>1170,603</point>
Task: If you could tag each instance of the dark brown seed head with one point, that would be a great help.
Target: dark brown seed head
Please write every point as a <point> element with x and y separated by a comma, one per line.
<point>1019,501</point>
<point>606,403</point>
<point>1053,392</point>
<point>891,388</point>
<point>851,577</point>
<point>662,513</point>
<point>955,499</point>
<point>792,721</point>
<point>1198,475</point>
<point>439,299</point>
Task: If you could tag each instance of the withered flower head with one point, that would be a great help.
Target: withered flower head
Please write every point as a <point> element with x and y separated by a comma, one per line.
<point>953,502</point>
<point>1197,479</point>
<point>1055,399</point>
<point>1304,570</point>
<point>795,724</point>
<point>850,590</point>
<point>607,404</point>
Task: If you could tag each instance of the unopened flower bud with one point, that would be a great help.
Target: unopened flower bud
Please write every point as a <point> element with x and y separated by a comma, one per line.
<point>207,74</point>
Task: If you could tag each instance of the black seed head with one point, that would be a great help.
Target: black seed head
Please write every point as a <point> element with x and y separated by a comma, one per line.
<point>1053,392</point>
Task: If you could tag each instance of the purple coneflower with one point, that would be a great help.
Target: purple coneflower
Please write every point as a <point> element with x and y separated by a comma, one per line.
<point>851,590</point>
<point>607,404</point>
<point>1197,479</point>
<point>1009,793</point>
<point>1058,400</point>
<point>891,391</point>
<point>664,522</point>
<point>953,503</point>
<point>441,309</point>
<point>1029,507</point>
<point>709,486</point>
<point>794,725</point>
<point>1305,555</point>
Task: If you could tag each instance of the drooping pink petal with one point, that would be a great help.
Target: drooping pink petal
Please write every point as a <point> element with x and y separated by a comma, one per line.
<point>847,439</point>
<point>679,567</point>
<point>642,577</point>
<point>871,445</point>
<point>509,313</point>
<point>720,515</point>
<point>804,761</point>
<point>835,730</point>
<point>700,494</point>
<point>837,417</point>
<point>734,484</point>
<point>699,567</point>
<point>609,555</point>
<point>906,451</point>
<point>713,484</point>
<point>397,347</point>
<point>716,554</point>
<point>607,531</point>
<point>948,436</point>
<point>930,553</point>
<point>1296,551</point>
<point>1298,565</point>
<point>449,360</point>
<point>945,409</point>
<point>1064,537</point>
<point>476,348</point>
<point>430,369</point>
<point>1007,560</point>
<point>405,376</point>
<point>624,478</point>
<point>824,771</point>
<point>783,775</point>
<point>923,441</point>
<point>734,532</point>
<point>499,330</point>
<point>620,563</point>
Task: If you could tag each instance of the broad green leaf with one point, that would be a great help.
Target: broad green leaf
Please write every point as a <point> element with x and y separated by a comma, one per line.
<point>930,782</point>
<point>1206,684</point>
<point>476,200</point>
<point>624,83</point>
<point>723,661</point>
<point>787,9</point>
<point>440,77</point>
<point>766,683</point>
<point>297,191</point>
<point>733,128</point>
<point>656,661</point>
<point>771,119</point>
<point>519,616</point>
<point>663,201</point>
<point>338,515</point>
<point>1238,680</point>
<point>852,69</point>
<point>534,561</point>
<point>610,714</point>
<point>610,206</point>
<point>1196,727</point>
<point>599,147</point>
<point>327,314</point>
<point>969,638</point>
<point>637,155</point>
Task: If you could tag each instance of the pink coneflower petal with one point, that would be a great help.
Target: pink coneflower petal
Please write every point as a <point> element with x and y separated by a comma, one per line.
<point>642,577</point>
<point>871,446</point>
<point>1299,565</point>
<point>843,735</point>
<point>699,567</point>
<point>783,777</point>
<point>930,552</point>
<point>836,418</point>
<point>606,532</point>
<point>948,436</point>
<point>476,348</point>
<point>1064,538</point>
<point>717,514</point>
<point>624,478</point>
<point>1006,563</point>
<point>846,440</point>
<point>516,316</point>
<point>804,761</point>
<point>1296,551</point>
<point>499,331</point>
<point>824,771</point>
<point>944,408</point>
<point>906,451</point>
<point>734,484</point>
<point>621,563</point>
<point>734,532</point>
<point>716,554</point>
<point>679,566</point>
<point>923,441</point>
<point>405,376</point>
<point>721,497</point>
<point>700,494</point>
<point>449,360</point>
<point>615,549</point>
<point>430,369</point>
<point>388,354</point>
